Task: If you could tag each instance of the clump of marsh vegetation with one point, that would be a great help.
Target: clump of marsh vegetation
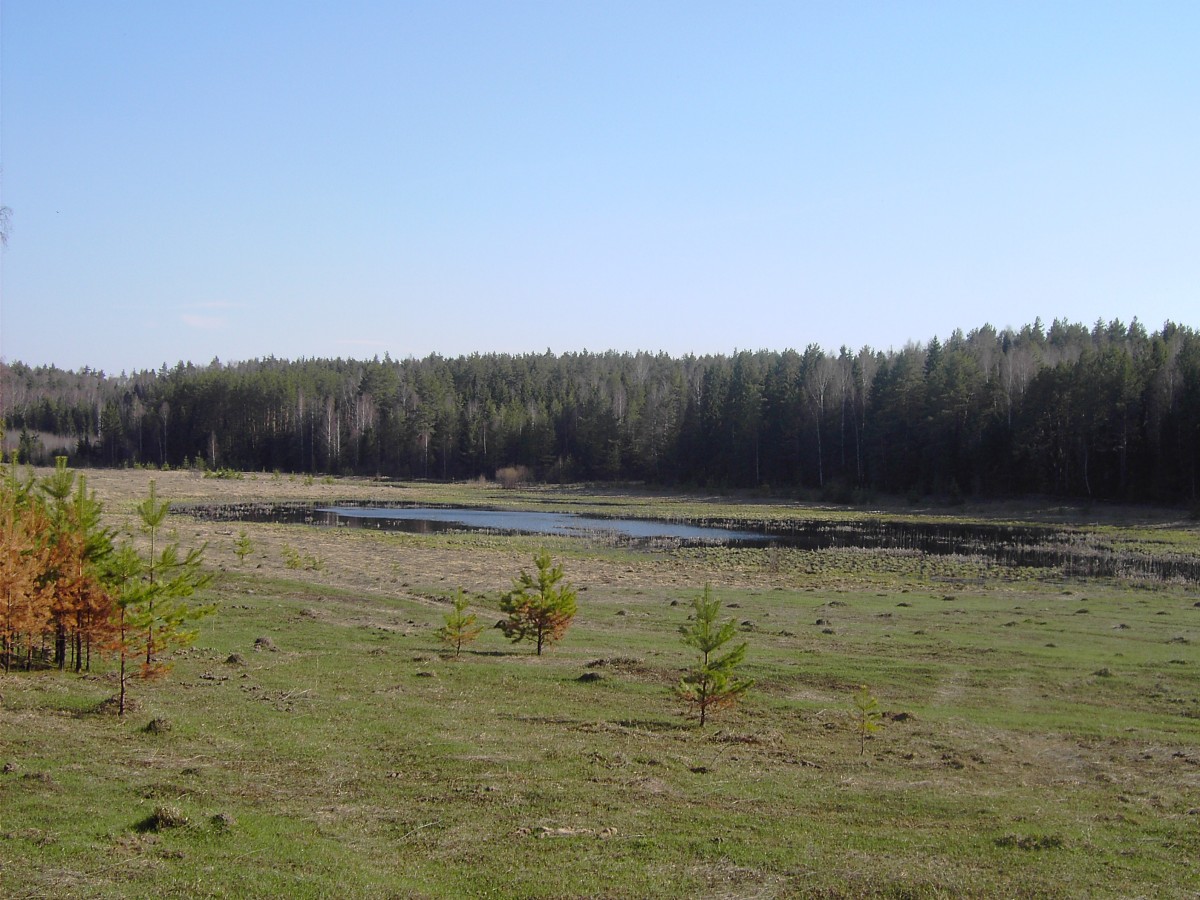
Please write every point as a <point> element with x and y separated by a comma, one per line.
<point>512,477</point>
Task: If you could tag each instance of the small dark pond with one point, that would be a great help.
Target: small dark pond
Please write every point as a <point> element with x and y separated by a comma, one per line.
<point>1074,552</point>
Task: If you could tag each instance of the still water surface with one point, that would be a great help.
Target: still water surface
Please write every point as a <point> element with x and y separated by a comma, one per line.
<point>425,519</point>
<point>1074,552</point>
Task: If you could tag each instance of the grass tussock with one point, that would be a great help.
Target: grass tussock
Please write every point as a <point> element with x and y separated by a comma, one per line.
<point>163,818</point>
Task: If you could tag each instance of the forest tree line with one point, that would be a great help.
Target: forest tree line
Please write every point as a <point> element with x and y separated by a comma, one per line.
<point>1108,412</point>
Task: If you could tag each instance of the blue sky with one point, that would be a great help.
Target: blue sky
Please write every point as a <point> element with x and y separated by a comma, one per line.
<point>244,179</point>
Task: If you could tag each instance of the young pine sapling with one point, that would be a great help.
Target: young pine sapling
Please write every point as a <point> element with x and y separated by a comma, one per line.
<point>460,627</point>
<point>711,684</point>
<point>539,607</point>
<point>242,546</point>
<point>167,582</point>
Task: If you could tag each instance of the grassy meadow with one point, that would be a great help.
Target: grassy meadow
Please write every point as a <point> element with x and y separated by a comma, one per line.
<point>1041,735</point>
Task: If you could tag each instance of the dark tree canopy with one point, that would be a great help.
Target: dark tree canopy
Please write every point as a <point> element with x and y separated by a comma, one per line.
<point>1108,412</point>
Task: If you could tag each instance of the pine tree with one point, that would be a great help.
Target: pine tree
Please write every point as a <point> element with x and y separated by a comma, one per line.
<point>169,580</point>
<point>460,627</point>
<point>712,683</point>
<point>242,546</point>
<point>78,546</point>
<point>24,612</point>
<point>131,615</point>
<point>24,558</point>
<point>539,608</point>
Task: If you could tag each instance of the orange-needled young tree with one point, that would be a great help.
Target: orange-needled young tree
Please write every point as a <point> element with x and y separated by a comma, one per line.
<point>79,547</point>
<point>24,557</point>
<point>24,612</point>
<point>539,607</point>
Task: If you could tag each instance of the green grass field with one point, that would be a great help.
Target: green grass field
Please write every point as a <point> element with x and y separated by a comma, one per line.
<point>1041,737</point>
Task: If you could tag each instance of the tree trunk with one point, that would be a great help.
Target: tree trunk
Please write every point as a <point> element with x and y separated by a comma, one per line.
<point>820,457</point>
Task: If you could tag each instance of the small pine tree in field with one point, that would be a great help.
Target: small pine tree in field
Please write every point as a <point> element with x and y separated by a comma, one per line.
<point>170,580</point>
<point>539,607</point>
<point>79,546</point>
<point>131,616</point>
<point>53,603</point>
<point>712,684</point>
<point>867,717</point>
<point>460,627</point>
<point>242,546</point>
<point>24,606</point>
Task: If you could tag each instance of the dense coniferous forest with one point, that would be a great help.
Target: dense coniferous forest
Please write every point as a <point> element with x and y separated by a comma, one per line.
<point>1106,412</point>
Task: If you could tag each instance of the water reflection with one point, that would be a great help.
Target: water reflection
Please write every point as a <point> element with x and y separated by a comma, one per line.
<point>426,519</point>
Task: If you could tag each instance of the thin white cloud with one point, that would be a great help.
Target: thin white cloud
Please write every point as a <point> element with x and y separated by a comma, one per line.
<point>204,323</point>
